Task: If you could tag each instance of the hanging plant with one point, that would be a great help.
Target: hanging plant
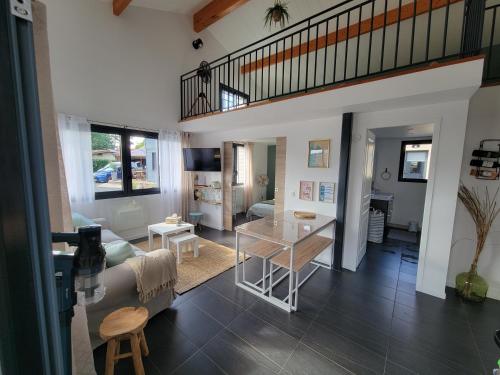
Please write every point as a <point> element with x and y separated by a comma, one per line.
<point>277,14</point>
<point>483,211</point>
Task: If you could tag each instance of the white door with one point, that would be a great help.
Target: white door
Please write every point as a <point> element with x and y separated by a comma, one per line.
<point>366,192</point>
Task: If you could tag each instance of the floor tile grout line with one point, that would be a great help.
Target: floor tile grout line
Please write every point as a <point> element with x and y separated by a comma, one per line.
<point>355,343</point>
<point>255,348</point>
<point>312,349</point>
<point>392,317</point>
<point>204,345</point>
<point>227,328</point>
<point>476,346</point>
<point>344,357</point>
<point>448,361</point>
<point>271,324</point>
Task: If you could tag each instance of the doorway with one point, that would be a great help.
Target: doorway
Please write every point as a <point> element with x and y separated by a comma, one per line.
<point>252,179</point>
<point>394,187</point>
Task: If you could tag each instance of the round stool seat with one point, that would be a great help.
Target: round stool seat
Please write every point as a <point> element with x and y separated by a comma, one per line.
<point>196,214</point>
<point>125,324</point>
<point>123,321</point>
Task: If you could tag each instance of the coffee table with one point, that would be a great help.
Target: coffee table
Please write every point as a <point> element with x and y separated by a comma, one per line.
<point>165,230</point>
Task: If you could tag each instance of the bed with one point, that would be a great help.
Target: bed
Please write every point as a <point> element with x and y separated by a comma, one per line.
<point>261,209</point>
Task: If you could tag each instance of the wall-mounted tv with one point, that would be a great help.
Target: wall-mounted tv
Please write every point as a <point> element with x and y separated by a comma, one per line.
<point>202,159</point>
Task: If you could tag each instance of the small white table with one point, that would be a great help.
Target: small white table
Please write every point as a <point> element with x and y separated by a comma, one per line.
<point>164,230</point>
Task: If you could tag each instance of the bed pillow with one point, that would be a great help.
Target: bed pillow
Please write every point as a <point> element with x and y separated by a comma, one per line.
<point>80,221</point>
<point>117,252</point>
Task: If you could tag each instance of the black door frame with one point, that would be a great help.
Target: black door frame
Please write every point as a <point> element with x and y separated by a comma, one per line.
<point>29,323</point>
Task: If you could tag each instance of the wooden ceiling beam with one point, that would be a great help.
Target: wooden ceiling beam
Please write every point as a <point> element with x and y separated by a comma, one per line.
<point>119,6</point>
<point>214,11</point>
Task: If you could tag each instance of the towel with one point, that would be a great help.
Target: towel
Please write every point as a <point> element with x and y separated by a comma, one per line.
<point>155,272</point>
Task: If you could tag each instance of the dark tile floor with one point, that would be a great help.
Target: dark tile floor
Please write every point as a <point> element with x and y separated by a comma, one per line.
<point>368,322</point>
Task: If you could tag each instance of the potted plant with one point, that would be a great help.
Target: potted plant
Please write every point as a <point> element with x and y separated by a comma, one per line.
<point>483,211</point>
<point>278,13</point>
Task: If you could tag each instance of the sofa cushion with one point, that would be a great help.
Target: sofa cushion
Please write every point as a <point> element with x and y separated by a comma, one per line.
<point>117,252</point>
<point>80,221</point>
<point>109,236</point>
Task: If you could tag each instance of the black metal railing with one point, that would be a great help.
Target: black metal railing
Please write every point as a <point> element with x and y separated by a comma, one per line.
<point>352,40</point>
<point>491,42</point>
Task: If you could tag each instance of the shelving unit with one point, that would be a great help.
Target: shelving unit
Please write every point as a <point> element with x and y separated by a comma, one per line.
<point>208,194</point>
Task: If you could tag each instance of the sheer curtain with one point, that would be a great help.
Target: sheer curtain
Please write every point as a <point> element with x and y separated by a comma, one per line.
<point>76,146</point>
<point>187,181</point>
<point>171,171</point>
<point>248,186</point>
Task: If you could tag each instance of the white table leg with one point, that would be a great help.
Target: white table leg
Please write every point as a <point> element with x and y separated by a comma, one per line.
<point>150,239</point>
<point>270,279</point>
<point>243,263</point>
<point>196,248</point>
<point>191,230</point>
<point>290,277</point>
<point>296,290</point>
<point>237,258</point>
<point>264,275</point>
<point>178,253</point>
<point>163,241</point>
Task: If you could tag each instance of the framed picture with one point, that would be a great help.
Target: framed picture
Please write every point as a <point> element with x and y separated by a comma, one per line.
<point>327,192</point>
<point>319,154</point>
<point>306,190</point>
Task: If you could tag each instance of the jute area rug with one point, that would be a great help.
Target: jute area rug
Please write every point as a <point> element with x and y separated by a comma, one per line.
<point>212,261</point>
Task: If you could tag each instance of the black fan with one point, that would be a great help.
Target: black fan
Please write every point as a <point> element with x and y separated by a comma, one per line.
<point>204,72</point>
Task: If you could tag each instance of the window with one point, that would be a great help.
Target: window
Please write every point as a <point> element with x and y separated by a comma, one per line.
<point>239,164</point>
<point>414,161</point>
<point>124,161</point>
<point>231,98</point>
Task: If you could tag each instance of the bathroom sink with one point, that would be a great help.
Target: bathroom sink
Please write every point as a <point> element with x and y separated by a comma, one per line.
<point>383,196</point>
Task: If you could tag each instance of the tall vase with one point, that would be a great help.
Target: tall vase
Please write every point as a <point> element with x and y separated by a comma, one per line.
<point>470,286</point>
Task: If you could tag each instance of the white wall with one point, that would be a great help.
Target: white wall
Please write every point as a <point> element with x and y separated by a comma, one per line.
<point>483,122</point>
<point>121,70</point>
<point>259,167</point>
<point>298,134</point>
<point>449,121</point>
<point>409,197</point>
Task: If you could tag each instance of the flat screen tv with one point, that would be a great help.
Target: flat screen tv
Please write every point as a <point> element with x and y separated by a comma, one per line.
<point>201,159</point>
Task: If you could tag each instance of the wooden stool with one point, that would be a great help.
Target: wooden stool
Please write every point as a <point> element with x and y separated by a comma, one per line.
<point>125,324</point>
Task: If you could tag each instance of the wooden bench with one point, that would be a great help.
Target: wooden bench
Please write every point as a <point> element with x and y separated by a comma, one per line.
<point>304,253</point>
<point>264,250</point>
<point>183,239</point>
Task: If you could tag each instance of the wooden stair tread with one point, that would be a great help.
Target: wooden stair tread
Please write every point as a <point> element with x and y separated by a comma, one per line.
<point>304,252</point>
<point>262,249</point>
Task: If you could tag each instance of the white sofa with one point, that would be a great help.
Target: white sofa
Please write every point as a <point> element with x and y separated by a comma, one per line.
<point>121,291</point>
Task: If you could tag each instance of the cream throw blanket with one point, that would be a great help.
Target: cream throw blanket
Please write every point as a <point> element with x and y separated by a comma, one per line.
<point>155,272</point>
